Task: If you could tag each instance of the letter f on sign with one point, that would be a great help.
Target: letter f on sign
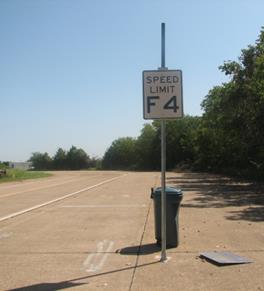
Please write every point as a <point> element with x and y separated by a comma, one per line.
<point>150,103</point>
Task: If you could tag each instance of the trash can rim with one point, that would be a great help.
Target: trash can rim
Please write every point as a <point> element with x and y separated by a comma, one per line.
<point>170,191</point>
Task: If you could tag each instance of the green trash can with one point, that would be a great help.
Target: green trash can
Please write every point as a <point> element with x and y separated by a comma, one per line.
<point>173,200</point>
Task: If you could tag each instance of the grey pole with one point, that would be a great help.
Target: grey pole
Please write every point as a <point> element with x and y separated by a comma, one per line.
<point>163,160</point>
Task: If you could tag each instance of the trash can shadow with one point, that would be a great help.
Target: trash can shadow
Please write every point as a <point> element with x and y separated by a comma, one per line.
<point>139,249</point>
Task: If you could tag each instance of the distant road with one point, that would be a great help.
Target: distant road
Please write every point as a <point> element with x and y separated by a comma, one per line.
<point>22,197</point>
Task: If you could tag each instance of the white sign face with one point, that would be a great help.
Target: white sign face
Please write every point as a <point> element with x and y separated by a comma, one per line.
<point>162,94</point>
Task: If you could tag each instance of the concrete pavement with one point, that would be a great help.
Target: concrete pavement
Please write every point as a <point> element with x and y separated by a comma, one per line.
<point>212,218</point>
<point>102,238</point>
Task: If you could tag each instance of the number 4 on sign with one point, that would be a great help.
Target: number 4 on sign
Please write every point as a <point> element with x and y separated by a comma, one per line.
<point>172,104</point>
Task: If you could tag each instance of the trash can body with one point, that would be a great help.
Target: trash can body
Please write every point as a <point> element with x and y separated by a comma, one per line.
<point>173,200</point>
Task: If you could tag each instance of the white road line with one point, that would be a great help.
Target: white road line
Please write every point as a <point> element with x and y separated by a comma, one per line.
<point>102,262</point>
<point>90,261</point>
<point>59,199</point>
<point>95,262</point>
<point>105,206</point>
<point>39,188</point>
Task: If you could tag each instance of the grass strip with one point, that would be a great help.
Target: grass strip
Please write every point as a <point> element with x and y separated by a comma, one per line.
<point>19,175</point>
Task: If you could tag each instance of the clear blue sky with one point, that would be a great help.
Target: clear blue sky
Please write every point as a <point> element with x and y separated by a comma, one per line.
<point>71,71</point>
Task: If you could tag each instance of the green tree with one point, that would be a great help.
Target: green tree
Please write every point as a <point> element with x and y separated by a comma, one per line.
<point>121,154</point>
<point>41,161</point>
<point>148,148</point>
<point>233,120</point>
<point>181,141</point>
<point>77,159</point>
<point>60,160</point>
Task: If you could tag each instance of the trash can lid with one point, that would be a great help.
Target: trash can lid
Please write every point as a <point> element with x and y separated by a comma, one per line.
<point>170,191</point>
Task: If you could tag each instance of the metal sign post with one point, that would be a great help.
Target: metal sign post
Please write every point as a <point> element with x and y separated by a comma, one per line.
<point>162,99</point>
<point>163,192</point>
<point>163,160</point>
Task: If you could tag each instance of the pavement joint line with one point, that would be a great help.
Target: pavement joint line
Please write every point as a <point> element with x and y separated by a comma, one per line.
<point>59,199</point>
<point>114,253</point>
<point>56,253</point>
<point>139,249</point>
<point>105,206</point>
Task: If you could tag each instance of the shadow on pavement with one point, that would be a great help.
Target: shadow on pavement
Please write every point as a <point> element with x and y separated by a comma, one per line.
<point>140,250</point>
<point>48,286</point>
<point>70,283</point>
<point>215,191</point>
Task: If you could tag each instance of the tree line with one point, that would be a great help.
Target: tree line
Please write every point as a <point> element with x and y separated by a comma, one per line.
<point>74,159</point>
<point>143,152</point>
<point>228,137</point>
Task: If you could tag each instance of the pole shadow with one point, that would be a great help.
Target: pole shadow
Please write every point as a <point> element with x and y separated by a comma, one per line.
<point>72,282</point>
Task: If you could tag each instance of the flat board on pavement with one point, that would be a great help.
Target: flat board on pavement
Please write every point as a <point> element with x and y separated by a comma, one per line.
<point>162,94</point>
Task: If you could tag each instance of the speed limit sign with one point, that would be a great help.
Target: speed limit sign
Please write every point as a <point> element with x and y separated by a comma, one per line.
<point>162,94</point>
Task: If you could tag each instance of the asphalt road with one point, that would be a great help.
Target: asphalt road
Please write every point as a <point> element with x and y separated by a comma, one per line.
<point>95,231</point>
